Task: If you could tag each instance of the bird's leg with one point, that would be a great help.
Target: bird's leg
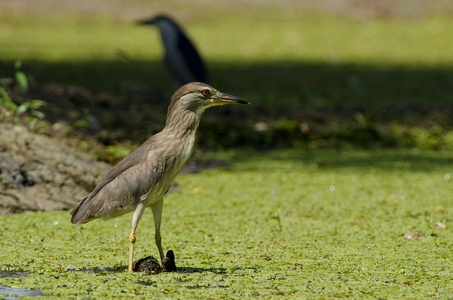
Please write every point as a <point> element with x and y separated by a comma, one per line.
<point>131,250</point>
<point>157,214</point>
<point>138,211</point>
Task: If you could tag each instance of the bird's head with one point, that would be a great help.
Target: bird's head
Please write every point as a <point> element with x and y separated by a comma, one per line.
<point>197,97</point>
<point>161,21</point>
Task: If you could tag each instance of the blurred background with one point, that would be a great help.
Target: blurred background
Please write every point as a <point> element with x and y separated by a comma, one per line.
<point>339,73</point>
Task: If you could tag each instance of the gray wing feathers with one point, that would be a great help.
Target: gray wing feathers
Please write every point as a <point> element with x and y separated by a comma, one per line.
<point>132,179</point>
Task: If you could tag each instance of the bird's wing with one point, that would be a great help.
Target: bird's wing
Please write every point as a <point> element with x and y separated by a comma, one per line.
<point>194,60</point>
<point>131,179</point>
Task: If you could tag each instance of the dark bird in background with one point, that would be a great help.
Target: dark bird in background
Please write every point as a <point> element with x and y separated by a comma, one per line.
<point>144,177</point>
<point>181,57</point>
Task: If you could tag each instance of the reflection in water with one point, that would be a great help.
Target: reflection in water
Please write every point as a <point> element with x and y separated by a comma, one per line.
<point>13,292</point>
<point>18,292</point>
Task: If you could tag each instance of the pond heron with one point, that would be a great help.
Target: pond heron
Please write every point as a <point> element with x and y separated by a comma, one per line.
<point>144,177</point>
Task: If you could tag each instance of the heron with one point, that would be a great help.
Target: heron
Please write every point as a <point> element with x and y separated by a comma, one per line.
<point>144,177</point>
<point>181,56</point>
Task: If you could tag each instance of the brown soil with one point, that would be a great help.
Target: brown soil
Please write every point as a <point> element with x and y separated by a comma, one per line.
<point>41,173</point>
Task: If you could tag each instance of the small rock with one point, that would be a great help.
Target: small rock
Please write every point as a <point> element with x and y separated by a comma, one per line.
<point>151,265</point>
<point>148,264</point>
<point>414,234</point>
<point>440,225</point>
<point>70,269</point>
<point>168,263</point>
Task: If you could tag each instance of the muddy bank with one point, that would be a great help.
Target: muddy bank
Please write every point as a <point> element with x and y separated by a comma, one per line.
<point>40,173</point>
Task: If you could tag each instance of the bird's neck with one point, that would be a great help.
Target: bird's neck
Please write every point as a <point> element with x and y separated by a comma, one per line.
<point>168,34</point>
<point>183,124</point>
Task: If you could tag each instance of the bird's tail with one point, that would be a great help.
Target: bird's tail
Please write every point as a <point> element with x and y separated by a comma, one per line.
<point>76,217</point>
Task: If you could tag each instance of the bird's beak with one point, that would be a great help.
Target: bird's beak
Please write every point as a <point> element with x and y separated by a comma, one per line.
<point>145,22</point>
<point>221,98</point>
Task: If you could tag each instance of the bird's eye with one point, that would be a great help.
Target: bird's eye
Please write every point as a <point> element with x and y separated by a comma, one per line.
<point>205,93</point>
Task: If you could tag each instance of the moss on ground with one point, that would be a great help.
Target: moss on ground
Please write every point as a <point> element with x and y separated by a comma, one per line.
<point>316,224</point>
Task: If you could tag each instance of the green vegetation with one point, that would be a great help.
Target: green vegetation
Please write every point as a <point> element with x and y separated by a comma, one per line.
<point>342,216</point>
<point>20,107</point>
<point>292,64</point>
<point>293,59</point>
<point>355,107</point>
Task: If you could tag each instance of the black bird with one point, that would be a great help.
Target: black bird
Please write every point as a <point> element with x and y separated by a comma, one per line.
<point>181,57</point>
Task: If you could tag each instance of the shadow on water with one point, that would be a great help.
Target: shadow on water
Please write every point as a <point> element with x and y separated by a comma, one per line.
<point>285,85</point>
<point>123,269</point>
<point>380,159</point>
<point>13,274</point>
<point>401,161</point>
<point>339,102</point>
<point>201,270</point>
<point>102,270</point>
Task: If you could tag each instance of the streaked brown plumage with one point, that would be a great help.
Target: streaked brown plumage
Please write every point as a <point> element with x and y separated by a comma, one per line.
<point>144,177</point>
